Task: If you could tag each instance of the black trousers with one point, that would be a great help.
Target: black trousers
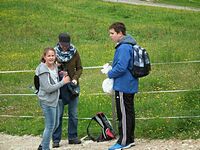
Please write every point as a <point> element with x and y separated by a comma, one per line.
<point>126,117</point>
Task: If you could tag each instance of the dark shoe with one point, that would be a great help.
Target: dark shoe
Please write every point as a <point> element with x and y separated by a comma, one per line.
<point>56,145</point>
<point>40,147</point>
<point>129,145</point>
<point>75,141</point>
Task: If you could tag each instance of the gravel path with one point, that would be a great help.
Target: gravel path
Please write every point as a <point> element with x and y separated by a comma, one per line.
<point>151,3</point>
<point>26,142</point>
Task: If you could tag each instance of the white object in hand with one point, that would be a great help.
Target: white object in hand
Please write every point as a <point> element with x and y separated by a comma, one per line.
<point>107,85</point>
<point>106,68</point>
<point>74,81</point>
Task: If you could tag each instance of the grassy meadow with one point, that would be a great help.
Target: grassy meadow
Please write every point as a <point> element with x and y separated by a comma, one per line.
<point>169,35</point>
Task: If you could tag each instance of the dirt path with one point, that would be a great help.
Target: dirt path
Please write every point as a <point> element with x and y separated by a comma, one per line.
<point>9,142</point>
<point>151,3</point>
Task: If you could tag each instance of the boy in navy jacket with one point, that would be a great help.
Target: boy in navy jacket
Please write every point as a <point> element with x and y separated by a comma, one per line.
<point>125,85</point>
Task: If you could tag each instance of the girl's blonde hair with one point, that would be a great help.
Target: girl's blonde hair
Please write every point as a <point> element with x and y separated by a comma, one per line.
<point>46,50</point>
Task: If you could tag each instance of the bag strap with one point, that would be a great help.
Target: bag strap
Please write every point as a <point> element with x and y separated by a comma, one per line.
<point>101,136</point>
<point>133,48</point>
<point>88,133</point>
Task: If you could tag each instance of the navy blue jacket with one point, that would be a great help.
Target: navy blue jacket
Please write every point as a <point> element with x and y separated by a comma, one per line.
<point>122,62</point>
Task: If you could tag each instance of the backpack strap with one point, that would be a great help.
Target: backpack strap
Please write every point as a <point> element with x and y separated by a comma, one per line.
<point>102,136</point>
<point>107,130</point>
<point>88,133</point>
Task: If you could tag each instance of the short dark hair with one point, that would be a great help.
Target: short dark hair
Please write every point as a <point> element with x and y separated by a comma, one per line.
<point>118,27</point>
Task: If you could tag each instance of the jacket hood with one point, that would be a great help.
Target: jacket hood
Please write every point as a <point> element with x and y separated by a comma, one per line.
<point>127,39</point>
<point>42,68</point>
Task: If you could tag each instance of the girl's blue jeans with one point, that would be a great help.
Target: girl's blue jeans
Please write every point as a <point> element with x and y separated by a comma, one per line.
<point>51,115</point>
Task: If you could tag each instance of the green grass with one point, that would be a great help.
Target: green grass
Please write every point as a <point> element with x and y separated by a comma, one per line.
<point>27,27</point>
<point>31,26</point>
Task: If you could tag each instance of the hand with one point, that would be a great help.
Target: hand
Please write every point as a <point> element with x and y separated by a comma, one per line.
<point>74,81</point>
<point>58,64</point>
<point>106,68</point>
<point>66,79</point>
<point>63,73</point>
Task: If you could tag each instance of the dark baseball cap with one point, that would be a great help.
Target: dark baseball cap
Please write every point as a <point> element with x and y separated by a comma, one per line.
<point>64,39</point>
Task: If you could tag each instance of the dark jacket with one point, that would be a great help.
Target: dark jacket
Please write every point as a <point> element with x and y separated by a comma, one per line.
<point>73,67</point>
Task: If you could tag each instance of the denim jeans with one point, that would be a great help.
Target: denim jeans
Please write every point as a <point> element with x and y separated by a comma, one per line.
<point>51,115</point>
<point>72,121</point>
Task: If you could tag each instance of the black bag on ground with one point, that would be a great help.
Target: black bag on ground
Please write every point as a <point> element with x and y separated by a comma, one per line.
<point>106,130</point>
<point>141,62</point>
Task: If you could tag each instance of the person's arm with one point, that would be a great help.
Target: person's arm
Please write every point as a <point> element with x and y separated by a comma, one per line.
<point>122,62</point>
<point>47,86</point>
<point>79,68</point>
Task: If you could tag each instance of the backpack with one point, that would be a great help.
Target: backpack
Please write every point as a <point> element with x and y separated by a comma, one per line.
<point>36,83</point>
<point>141,62</point>
<point>106,132</point>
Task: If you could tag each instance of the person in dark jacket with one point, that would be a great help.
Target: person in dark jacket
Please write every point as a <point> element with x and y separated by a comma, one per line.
<point>125,85</point>
<point>48,94</point>
<point>69,62</point>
